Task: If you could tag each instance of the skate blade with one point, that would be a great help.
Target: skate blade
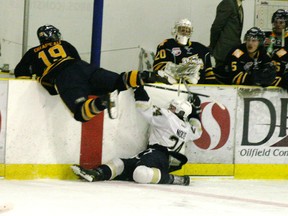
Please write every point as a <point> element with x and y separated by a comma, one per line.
<point>77,170</point>
<point>113,106</point>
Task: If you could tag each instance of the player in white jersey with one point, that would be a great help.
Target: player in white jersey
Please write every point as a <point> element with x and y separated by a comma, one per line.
<point>170,129</point>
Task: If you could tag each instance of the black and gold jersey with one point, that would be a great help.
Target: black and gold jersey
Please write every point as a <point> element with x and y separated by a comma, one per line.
<point>171,51</point>
<point>40,60</point>
<point>241,65</point>
<point>280,59</point>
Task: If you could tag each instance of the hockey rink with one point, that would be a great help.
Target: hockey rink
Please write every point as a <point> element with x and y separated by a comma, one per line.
<point>211,196</point>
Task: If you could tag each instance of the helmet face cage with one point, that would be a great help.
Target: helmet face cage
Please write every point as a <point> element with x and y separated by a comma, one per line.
<point>182,31</point>
<point>48,33</point>
<point>182,28</point>
<point>182,108</point>
<point>255,33</point>
<point>280,14</point>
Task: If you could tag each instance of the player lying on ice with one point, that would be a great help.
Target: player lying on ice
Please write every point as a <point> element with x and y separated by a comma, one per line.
<point>170,130</point>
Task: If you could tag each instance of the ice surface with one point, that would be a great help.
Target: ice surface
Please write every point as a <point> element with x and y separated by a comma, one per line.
<point>203,197</point>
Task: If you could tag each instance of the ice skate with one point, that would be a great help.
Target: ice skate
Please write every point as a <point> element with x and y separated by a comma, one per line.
<point>89,175</point>
<point>181,180</point>
<point>111,101</point>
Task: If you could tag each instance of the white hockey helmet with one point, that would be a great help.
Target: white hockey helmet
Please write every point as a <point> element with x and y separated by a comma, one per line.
<point>182,31</point>
<point>181,107</point>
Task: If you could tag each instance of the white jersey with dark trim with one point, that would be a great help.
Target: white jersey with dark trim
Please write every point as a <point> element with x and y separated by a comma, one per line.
<point>166,129</point>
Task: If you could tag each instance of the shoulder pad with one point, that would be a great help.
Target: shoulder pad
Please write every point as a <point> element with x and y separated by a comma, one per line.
<point>238,53</point>
<point>281,52</point>
<point>163,42</point>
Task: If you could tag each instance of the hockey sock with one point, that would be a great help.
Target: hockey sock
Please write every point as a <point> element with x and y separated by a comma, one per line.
<point>133,79</point>
<point>91,108</point>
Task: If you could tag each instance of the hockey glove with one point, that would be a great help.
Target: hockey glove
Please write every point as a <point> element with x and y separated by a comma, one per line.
<point>140,94</point>
<point>196,127</point>
<point>196,106</point>
<point>264,75</point>
<point>188,72</point>
<point>157,76</point>
<point>176,161</point>
<point>174,73</point>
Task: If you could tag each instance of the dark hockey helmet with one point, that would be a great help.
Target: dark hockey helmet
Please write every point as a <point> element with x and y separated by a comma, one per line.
<point>280,14</point>
<point>48,33</point>
<point>256,33</point>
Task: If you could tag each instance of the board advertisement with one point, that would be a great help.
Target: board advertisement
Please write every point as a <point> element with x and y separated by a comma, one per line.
<point>261,128</point>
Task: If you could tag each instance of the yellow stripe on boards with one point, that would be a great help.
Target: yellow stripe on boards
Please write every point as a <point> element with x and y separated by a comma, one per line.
<point>206,170</point>
<point>238,171</point>
<point>2,170</point>
<point>39,171</point>
<point>261,171</point>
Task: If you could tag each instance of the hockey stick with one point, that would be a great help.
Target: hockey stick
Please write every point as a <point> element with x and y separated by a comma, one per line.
<point>176,90</point>
<point>179,84</point>
<point>187,91</point>
<point>212,98</point>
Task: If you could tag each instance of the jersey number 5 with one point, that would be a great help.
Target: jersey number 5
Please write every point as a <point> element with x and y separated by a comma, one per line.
<point>54,52</point>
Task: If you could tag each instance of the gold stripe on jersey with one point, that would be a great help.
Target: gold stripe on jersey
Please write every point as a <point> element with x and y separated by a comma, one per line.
<point>238,78</point>
<point>24,77</point>
<point>244,77</point>
<point>209,69</point>
<point>209,73</point>
<point>160,65</point>
<point>52,66</point>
